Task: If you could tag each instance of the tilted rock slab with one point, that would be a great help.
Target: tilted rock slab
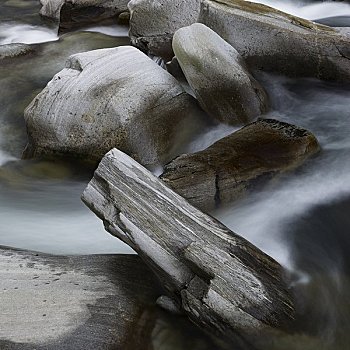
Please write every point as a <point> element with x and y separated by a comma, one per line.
<point>218,76</point>
<point>223,282</point>
<point>153,23</point>
<point>109,98</point>
<point>224,171</point>
<point>272,40</point>
<point>75,13</point>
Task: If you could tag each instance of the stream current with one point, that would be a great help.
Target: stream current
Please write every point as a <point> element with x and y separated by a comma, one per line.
<point>301,219</point>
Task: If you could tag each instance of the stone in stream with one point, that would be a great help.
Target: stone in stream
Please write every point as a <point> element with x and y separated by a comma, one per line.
<point>226,170</point>
<point>271,40</point>
<point>153,23</point>
<point>53,302</point>
<point>15,50</point>
<point>112,98</point>
<point>218,76</point>
<point>76,13</point>
<point>223,283</point>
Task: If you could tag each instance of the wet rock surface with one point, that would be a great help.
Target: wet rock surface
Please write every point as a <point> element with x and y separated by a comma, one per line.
<point>125,100</point>
<point>271,40</point>
<point>221,281</point>
<point>226,170</point>
<point>218,76</point>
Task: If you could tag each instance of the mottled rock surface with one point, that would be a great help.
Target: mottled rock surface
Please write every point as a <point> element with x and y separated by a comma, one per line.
<point>223,283</point>
<point>15,50</point>
<point>111,98</point>
<point>75,13</point>
<point>153,23</point>
<point>218,76</point>
<point>271,40</point>
<point>226,170</point>
<point>72,302</point>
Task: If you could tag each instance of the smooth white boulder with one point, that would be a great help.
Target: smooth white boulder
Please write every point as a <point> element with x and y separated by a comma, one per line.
<point>109,98</point>
<point>218,76</point>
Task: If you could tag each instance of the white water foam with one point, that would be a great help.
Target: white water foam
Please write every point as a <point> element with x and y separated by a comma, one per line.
<point>309,11</point>
<point>25,34</point>
<point>115,30</point>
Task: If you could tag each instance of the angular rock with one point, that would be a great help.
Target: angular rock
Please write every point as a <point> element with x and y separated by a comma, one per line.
<point>225,171</point>
<point>111,98</point>
<point>53,302</point>
<point>222,282</point>
<point>218,76</point>
<point>76,13</point>
<point>153,23</point>
<point>271,40</point>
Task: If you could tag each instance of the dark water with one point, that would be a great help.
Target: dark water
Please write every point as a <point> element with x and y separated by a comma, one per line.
<point>301,219</point>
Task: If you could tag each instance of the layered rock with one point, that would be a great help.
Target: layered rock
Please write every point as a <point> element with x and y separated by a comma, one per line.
<point>226,170</point>
<point>153,23</point>
<point>220,280</point>
<point>111,98</point>
<point>271,40</point>
<point>218,76</point>
<point>75,13</point>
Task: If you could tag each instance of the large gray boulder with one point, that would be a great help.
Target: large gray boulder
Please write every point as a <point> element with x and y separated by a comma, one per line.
<point>75,13</point>
<point>218,75</point>
<point>226,170</point>
<point>109,98</point>
<point>223,283</point>
<point>271,40</point>
<point>153,23</point>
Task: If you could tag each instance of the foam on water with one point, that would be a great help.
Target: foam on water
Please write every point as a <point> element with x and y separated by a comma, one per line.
<point>25,34</point>
<point>309,11</point>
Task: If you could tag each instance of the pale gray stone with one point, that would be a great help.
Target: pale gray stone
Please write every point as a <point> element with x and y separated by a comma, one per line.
<point>218,76</point>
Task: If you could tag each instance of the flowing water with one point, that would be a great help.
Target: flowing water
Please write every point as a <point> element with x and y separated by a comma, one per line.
<point>301,219</point>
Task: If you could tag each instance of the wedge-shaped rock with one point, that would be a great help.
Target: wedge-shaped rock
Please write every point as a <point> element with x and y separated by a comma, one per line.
<point>274,41</point>
<point>153,23</point>
<point>223,282</point>
<point>75,13</point>
<point>218,75</point>
<point>111,98</point>
<point>224,171</point>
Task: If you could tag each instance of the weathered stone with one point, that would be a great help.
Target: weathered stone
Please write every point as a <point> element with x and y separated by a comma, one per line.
<point>225,171</point>
<point>15,50</point>
<point>271,40</point>
<point>218,75</point>
<point>76,13</point>
<point>111,98</point>
<point>72,302</point>
<point>222,282</point>
<point>153,23</point>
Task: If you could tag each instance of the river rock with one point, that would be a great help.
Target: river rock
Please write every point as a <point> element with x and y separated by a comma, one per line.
<point>15,50</point>
<point>51,302</point>
<point>153,23</point>
<point>222,282</point>
<point>75,13</point>
<point>226,170</point>
<point>111,98</point>
<point>271,40</point>
<point>218,75</point>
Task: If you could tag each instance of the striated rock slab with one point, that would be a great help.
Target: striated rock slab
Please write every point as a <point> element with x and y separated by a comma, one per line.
<point>111,98</point>
<point>223,282</point>
<point>271,40</point>
<point>224,171</point>
<point>218,76</point>
<point>76,13</point>
<point>53,302</point>
<point>153,23</point>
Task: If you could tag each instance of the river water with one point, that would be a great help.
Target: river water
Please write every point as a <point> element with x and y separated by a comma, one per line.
<point>301,219</point>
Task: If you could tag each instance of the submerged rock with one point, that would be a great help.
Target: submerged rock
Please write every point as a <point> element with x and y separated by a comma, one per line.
<point>153,23</point>
<point>111,98</point>
<point>218,76</point>
<point>271,40</point>
<point>75,13</point>
<point>224,171</point>
<point>222,282</point>
<point>15,50</point>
